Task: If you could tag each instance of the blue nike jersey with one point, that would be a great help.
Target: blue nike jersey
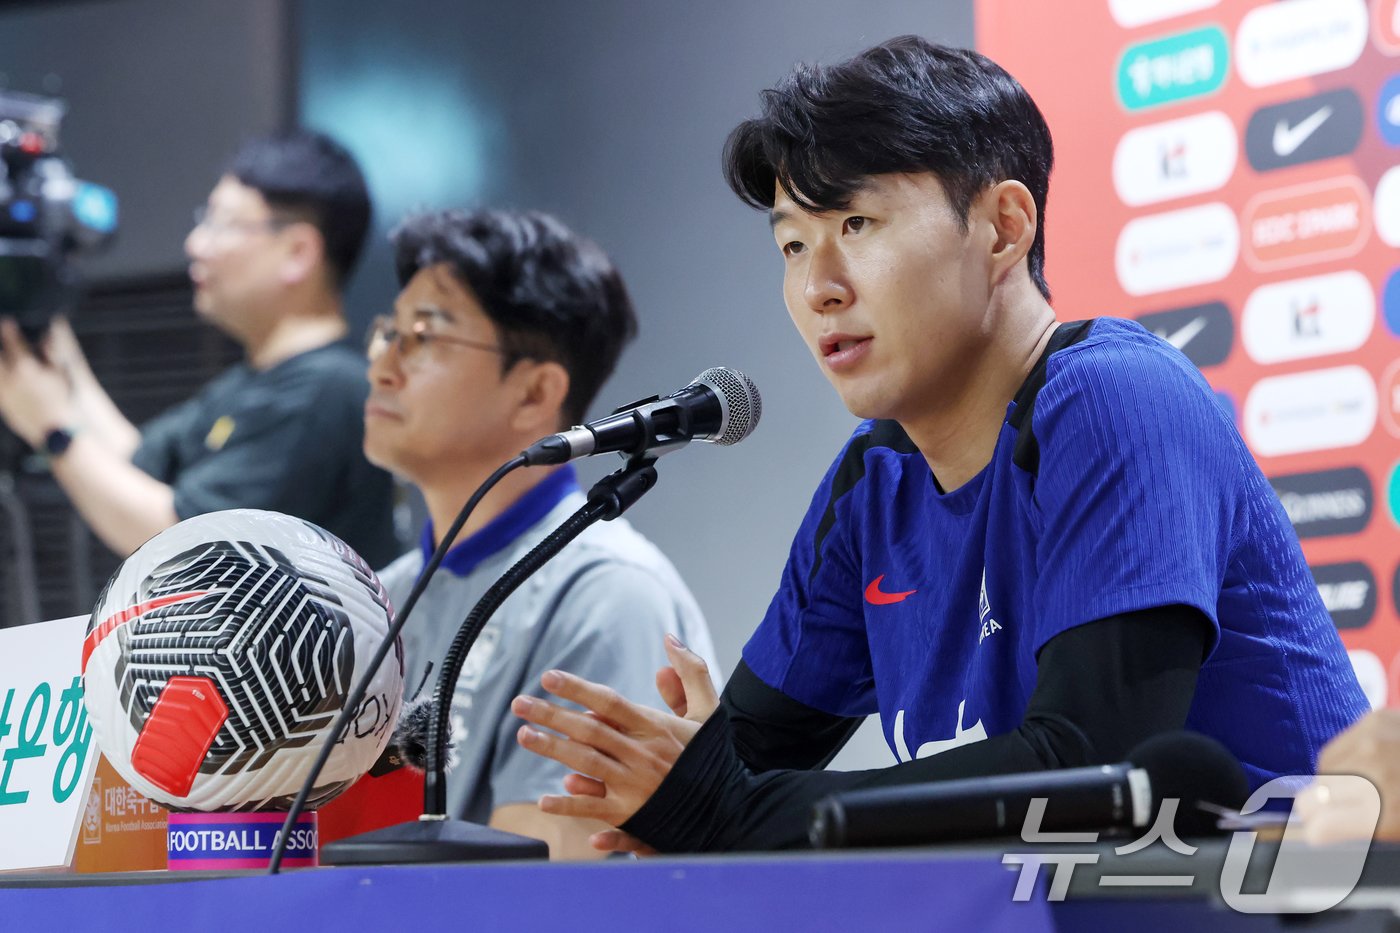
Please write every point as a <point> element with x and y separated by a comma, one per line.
<point>1131,489</point>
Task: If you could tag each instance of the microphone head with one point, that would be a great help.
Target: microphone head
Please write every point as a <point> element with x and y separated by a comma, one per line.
<point>738,398</point>
<point>1194,769</point>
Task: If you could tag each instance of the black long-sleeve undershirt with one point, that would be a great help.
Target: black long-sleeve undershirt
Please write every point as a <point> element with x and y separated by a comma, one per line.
<point>1101,688</point>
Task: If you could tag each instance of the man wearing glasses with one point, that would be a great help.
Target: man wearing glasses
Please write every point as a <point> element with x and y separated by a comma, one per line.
<point>506,326</point>
<point>269,256</point>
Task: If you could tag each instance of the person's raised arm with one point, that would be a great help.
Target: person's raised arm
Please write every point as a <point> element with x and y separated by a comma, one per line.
<point>771,730</point>
<point>96,413</point>
<point>123,505</point>
<point>1102,687</point>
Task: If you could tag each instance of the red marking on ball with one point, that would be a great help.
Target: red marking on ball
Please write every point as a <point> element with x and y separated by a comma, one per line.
<point>183,723</point>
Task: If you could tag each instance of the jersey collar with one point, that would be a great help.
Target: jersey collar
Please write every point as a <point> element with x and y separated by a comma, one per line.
<point>538,501</point>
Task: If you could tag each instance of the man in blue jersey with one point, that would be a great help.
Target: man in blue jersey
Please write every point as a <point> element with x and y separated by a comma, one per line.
<point>1047,543</point>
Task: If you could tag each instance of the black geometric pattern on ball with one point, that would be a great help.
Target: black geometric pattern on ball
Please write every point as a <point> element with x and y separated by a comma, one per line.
<point>272,636</point>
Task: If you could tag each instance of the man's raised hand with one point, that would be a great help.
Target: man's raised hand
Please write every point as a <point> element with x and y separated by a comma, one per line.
<point>621,751</point>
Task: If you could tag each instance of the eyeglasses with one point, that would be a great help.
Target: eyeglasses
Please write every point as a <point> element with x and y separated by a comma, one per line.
<point>384,330</point>
<point>219,226</point>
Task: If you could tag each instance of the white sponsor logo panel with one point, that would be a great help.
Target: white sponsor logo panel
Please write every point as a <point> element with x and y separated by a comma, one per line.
<point>1175,159</point>
<point>1193,246</point>
<point>1319,410</point>
<point>1308,317</point>
<point>1386,207</point>
<point>1291,39</point>
<point>1130,13</point>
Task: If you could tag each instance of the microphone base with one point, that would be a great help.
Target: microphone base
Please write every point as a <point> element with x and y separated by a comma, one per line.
<point>426,841</point>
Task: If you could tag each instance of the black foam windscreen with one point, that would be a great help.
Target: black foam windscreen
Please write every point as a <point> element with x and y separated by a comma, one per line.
<point>412,733</point>
<point>1192,768</point>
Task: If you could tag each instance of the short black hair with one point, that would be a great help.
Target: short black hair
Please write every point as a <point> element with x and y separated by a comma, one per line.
<point>906,105</point>
<point>552,294</point>
<point>313,177</point>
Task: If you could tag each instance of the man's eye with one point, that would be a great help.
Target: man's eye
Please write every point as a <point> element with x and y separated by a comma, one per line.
<point>793,248</point>
<point>854,224</point>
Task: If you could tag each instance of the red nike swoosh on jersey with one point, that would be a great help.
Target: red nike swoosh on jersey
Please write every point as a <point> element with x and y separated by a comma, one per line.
<point>878,597</point>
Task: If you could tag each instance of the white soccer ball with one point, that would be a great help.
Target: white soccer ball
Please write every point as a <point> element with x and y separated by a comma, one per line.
<point>220,653</point>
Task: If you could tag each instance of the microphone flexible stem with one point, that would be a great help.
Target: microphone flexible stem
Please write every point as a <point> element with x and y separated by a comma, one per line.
<point>435,778</point>
<point>609,498</point>
<point>357,696</point>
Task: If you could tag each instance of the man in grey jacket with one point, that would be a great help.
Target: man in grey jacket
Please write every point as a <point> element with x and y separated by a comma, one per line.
<point>506,326</point>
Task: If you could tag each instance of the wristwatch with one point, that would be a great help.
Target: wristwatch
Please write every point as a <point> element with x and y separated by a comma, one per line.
<point>56,442</point>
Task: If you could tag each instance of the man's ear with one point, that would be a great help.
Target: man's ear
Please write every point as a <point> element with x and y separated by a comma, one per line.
<point>304,252</point>
<point>543,385</point>
<point>1014,218</point>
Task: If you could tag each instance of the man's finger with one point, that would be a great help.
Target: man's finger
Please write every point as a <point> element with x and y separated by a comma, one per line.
<point>701,698</point>
<point>586,808</point>
<point>573,755</point>
<point>606,722</point>
<point>61,338</point>
<point>15,339</point>
<point>668,684</point>
<point>615,840</point>
<point>12,342</point>
<point>581,786</point>
<point>581,727</point>
<point>605,701</point>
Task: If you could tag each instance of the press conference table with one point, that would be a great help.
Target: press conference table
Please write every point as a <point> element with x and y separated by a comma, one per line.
<point>963,888</point>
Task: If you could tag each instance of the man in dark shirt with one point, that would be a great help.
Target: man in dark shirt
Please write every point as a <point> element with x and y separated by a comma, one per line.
<point>269,256</point>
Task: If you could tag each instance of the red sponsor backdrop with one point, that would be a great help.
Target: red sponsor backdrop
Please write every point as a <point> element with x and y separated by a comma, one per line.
<point>1308,209</point>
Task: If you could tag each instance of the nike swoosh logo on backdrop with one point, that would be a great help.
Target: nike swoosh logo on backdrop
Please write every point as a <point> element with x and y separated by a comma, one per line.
<point>878,597</point>
<point>1287,139</point>
<point>1184,335</point>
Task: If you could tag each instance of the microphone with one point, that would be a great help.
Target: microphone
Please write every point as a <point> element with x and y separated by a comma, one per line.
<point>408,744</point>
<point>721,406</point>
<point>1186,766</point>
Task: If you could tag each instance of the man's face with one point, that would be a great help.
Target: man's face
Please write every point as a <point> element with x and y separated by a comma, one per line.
<point>890,294</point>
<point>235,255</point>
<point>438,399</point>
